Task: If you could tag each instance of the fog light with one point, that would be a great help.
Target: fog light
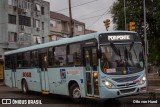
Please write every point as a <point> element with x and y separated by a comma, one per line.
<point>143,88</point>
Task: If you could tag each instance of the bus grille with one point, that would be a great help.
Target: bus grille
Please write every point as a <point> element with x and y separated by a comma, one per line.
<point>127,90</point>
<point>126,79</point>
<point>124,85</point>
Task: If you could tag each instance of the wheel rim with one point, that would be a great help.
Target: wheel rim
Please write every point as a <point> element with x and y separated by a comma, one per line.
<point>76,93</point>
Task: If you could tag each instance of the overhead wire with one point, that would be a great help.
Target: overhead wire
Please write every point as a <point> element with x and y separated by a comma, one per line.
<point>77,5</point>
<point>92,17</point>
<point>90,13</point>
<point>98,19</point>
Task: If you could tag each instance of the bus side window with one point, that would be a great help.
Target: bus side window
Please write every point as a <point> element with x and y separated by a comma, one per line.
<point>34,59</point>
<point>26,59</point>
<point>70,56</point>
<point>60,56</point>
<point>50,57</point>
<point>19,60</point>
<point>74,54</point>
<point>43,58</point>
<point>13,61</point>
<point>7,62</point>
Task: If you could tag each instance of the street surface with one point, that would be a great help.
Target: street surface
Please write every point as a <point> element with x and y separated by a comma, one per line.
<point>63,101</point>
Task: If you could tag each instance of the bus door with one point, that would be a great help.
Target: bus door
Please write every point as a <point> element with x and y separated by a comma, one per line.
<point>91,62</point>
<point>13,70</point>
<point>1,70</point>
<point>43,70</point>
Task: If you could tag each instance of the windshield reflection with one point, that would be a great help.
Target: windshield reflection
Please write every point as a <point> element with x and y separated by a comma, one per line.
<point>120,59</point>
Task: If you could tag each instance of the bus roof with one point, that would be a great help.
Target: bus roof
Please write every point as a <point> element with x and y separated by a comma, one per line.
<point>63,41</point>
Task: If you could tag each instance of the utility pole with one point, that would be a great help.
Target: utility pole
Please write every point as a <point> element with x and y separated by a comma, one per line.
<point>71,20</point>
<point>145,35</point>
<point>145,40</point>
<point>125,22</point>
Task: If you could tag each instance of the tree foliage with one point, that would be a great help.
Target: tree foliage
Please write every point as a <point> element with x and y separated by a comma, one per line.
<point>134,12</point>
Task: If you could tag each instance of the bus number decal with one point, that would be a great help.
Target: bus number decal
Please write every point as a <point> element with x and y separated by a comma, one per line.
<point>27,74</point>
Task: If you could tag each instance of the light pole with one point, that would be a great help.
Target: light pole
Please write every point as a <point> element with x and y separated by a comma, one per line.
<point>145,36</point>
<point>71,20</point>
<point>125,15</point>
<point>145,40</point>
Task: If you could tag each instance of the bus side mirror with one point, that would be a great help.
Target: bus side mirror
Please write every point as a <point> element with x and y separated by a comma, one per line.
<point>99,54</point>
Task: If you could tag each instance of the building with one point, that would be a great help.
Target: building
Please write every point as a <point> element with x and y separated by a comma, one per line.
<point>59,26</point>
<point>87,31</point>
<point>23,23</point>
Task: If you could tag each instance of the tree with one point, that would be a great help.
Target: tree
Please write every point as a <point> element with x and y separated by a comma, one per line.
<point>134,12</point>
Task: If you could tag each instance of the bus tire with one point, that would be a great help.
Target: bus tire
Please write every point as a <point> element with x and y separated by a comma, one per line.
<point>25,87</point>
<point>75,93</point>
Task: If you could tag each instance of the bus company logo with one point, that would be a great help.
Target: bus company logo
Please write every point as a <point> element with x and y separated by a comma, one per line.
<point>6,101</point>
<point>127,84</point>
<point>26,74</point>
<point>63,73</point>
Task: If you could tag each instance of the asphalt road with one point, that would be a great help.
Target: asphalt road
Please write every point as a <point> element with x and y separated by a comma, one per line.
<point>51,100</point>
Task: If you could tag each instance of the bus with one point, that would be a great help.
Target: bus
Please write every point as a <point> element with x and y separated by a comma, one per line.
<point>1,69</point>
<point>98,65</point>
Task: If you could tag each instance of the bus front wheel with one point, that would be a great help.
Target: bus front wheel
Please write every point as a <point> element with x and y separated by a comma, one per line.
<point>24,87</point>
<point>75,93</point>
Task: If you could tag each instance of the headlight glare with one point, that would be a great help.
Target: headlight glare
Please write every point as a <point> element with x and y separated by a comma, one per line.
<point>142,81</point>
<point>108,84</point>
<point>144,78</point>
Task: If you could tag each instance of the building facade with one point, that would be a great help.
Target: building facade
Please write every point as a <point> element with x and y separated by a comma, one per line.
<point>23,23</point>
<point>59,26</point>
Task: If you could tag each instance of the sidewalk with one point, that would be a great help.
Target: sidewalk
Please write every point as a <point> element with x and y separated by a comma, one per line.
<point>1,83</point>
<point>153,79</point>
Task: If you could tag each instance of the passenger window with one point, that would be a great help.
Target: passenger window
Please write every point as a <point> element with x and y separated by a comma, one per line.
<point>50,56</point>
<point>26,59</point>
<point>60,56</point>
<point>74,55</point>
<point>34,59</point>
<point>19,60</point>
<point>7,62</point>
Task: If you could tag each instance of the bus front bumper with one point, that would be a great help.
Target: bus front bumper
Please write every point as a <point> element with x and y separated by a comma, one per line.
<point>119,92</point>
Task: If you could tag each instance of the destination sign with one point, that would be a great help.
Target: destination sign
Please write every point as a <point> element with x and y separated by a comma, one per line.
<point>119,37</point>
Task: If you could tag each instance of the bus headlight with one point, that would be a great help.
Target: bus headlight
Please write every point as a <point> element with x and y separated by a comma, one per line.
<point>142,81</point>
<point>108,84</point>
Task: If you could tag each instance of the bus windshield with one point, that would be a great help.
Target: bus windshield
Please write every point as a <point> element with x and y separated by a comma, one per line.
<point>122,59</point>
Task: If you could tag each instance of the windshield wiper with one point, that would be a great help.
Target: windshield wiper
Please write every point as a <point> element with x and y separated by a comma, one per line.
<point>131,46</point>
<point>130,54</point>
<point>117,51</point>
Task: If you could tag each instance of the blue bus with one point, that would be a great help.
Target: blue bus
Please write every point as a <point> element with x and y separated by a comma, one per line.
<point>99,65</point>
